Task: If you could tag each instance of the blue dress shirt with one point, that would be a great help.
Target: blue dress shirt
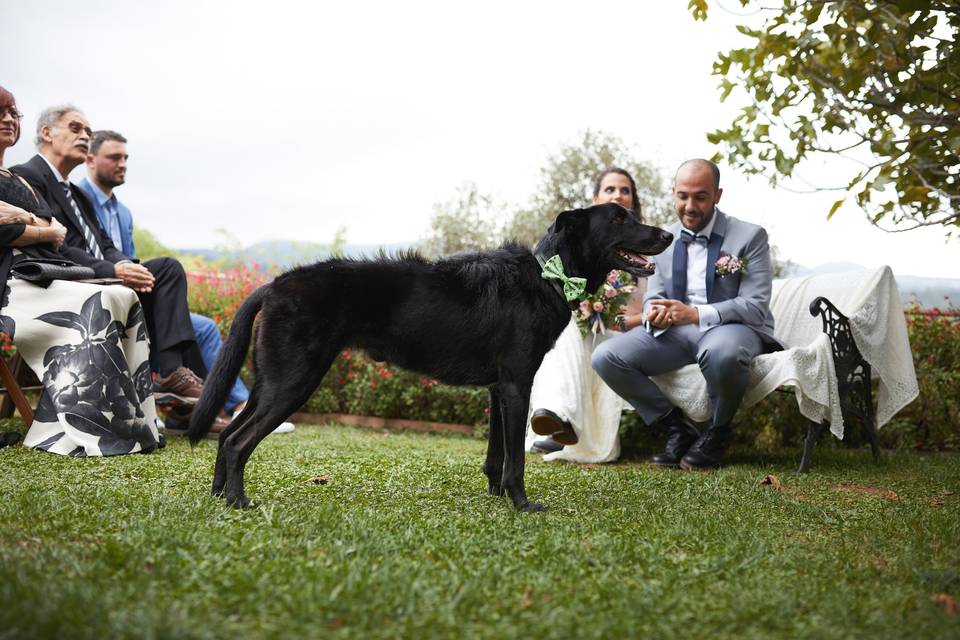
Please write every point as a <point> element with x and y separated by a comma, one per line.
<point>115,218</point>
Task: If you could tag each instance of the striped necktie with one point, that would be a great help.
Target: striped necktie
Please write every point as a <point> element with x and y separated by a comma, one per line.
<point>88,236</point>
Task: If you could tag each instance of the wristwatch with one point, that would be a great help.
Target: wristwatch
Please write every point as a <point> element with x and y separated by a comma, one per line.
<point>621,321</point>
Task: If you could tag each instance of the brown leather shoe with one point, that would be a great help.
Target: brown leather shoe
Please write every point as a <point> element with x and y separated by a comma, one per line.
<point>544,422</point>
<point>181,386</point>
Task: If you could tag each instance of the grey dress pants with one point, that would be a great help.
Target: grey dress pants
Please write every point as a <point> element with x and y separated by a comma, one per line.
<point>724,353</point>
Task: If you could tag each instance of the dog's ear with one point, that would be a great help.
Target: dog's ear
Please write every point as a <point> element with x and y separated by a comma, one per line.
<point>575,221</point>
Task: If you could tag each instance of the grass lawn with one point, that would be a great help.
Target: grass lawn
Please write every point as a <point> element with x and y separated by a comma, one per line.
<point>363,534</point>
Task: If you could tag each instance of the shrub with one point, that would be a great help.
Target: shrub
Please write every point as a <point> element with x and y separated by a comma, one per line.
<point>218,294</point>
<point>358,385</point>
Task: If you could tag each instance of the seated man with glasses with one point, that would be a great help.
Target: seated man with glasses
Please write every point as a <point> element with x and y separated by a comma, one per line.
<point>63,140</point>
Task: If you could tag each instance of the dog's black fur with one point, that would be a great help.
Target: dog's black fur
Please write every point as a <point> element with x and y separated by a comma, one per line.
<point>483,318</point>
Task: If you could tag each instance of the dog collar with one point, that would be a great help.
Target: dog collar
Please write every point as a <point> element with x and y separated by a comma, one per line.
<point>573,289</point>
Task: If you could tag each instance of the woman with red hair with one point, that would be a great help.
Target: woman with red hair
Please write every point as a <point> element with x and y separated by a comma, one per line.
<point>86,342</point>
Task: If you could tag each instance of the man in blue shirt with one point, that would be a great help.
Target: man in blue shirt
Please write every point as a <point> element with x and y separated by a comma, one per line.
<point>106,170</point>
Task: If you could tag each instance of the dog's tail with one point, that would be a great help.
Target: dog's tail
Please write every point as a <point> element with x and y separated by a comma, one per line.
<point>227,367</point>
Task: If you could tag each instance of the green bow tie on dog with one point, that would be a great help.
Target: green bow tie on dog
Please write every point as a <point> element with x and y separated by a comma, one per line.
<point>573,288</point>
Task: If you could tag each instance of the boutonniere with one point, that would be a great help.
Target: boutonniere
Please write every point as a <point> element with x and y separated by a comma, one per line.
<point>728,265</point>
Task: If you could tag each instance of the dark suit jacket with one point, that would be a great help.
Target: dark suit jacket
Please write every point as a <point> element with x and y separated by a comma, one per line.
<point>37,172</point>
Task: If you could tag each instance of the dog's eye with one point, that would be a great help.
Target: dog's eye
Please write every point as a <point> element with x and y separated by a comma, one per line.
<point>619,218</point>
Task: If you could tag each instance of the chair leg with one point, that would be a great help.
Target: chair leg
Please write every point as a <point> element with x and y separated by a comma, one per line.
<point>814,430</point>
<point>9,380</point>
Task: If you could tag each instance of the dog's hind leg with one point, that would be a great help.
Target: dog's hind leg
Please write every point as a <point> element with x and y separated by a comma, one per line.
<point>515,401</point>
<point>281,389</point>
<point>493,466</point>
<point>220,469</point>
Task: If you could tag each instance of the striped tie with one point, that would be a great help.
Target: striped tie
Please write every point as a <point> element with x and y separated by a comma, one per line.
<point>88,236</point>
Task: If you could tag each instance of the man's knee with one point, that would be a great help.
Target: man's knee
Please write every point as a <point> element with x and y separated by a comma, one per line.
<point>604,360</point>
<point>724,358</point>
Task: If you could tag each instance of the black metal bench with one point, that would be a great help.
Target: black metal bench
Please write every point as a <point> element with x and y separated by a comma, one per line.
<point>853,380</point>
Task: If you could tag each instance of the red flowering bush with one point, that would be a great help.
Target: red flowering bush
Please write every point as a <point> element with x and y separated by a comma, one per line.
<point>7,348</point>
<point>932,421</point>
<point>358,385</point>
<point>218,294</point>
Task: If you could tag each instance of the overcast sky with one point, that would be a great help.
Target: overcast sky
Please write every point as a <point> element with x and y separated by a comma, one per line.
<point>291,119</point>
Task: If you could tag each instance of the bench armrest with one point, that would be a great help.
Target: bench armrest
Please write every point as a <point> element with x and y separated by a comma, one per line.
<point>853,372</point>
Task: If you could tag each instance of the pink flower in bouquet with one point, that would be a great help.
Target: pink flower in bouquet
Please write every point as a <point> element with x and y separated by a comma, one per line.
<point>598,306</point>
<point>613,276</point>
<point>608,291</point>
<point>585,306</point>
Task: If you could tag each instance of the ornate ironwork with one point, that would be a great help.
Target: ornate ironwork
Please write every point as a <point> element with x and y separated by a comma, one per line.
<point>853,379</point>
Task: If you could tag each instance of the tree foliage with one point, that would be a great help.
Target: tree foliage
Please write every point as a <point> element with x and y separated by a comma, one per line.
<point>468,222</point>
<point>475,221</point>
<point>567,179</point>
<point>875,81</point>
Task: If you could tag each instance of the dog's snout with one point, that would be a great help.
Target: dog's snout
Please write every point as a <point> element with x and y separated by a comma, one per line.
<point>666,236</point>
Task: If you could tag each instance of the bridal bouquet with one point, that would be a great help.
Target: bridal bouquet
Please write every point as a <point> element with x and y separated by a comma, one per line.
<point>599,310</point>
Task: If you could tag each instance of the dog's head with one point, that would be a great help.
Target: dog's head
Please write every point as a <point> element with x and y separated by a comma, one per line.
<point>594,241</point>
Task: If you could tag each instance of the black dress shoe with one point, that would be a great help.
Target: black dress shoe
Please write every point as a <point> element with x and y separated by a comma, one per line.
<point>546,423</point>
<point>545,445</point>
<point>707,452</point>
<point>9,438</point>
<point>680,435</point>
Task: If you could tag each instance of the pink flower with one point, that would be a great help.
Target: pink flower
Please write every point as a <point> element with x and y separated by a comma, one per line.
<point>608,291</point>
<point>613,276</point>
<point>584,306</point>
<point>598,306</point>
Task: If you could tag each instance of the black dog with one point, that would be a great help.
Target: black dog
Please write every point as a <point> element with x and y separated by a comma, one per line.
<point>483,318</point>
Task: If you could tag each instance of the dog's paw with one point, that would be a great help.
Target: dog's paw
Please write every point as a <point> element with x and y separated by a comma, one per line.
<point>240,502</point>
<point>532,507</point>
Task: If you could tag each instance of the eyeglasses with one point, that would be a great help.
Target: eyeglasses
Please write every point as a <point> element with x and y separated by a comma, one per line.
<point>12,111</point>
<point>77,127</point>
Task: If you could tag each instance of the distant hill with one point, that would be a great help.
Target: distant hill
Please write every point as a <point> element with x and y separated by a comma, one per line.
<point>929,292</point>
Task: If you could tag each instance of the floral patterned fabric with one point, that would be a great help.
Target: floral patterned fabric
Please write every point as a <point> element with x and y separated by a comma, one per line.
<point>88,345</point>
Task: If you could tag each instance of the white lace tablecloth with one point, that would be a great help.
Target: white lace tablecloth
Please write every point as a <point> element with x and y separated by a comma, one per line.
<point>872,303</point>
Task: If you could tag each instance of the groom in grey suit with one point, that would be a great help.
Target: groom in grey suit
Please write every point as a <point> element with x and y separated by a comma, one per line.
<point>701,306</point>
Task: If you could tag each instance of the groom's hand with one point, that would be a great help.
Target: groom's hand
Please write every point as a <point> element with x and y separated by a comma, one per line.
<point>667,313</point>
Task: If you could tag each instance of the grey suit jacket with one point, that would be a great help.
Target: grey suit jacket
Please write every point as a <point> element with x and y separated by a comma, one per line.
<point>742,298</point>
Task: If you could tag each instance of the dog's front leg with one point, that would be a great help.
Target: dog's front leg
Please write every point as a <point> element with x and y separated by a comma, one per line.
<point>515,400</point>
<point>493,466</point>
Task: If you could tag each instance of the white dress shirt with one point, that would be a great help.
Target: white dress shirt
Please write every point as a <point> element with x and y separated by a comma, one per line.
<point>697,278</point>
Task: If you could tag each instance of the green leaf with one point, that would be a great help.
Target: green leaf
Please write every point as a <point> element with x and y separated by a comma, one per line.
<point>727,88</point>
<point>698,8</point>
<point>836,205</point>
